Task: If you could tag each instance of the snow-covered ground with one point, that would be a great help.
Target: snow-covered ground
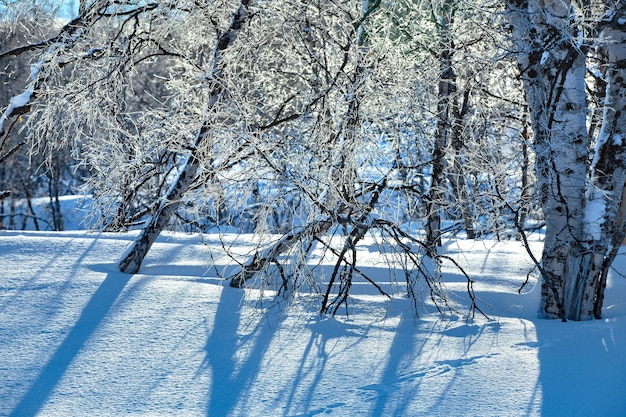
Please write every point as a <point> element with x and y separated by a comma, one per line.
<point>79,338</point>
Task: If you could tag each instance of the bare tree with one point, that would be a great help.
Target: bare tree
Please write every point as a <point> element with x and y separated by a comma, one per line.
<point>346,170</point>
<point>312,119</point>
<point>132,259</point>
<point>28,175</point>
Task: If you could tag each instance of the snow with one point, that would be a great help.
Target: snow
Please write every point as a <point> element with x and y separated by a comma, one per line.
<point>15,103</point>
<point>73,211</point>
<point>595,209</point>
<point>24,98</point>
<point>79,338</point>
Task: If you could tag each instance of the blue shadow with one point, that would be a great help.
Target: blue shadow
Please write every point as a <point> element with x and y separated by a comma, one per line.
<point>89,320</point>
<point>232,378</point>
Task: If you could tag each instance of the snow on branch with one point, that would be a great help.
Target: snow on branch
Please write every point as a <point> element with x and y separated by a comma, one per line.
<point>16,104</point>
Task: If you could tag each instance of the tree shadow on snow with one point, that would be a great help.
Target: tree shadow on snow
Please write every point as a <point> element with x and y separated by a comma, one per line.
<point>48,259</point>
<point>91,317</point>
<point>303,390</point>
<point>418,357</point>
<point>234,360</point>
<point>582,367</point>
<point>403,348</point>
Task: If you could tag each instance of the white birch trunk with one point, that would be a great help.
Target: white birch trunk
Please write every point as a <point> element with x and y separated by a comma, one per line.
<point>609,162</point>
<point>553,71</point>
<point>133,257</point>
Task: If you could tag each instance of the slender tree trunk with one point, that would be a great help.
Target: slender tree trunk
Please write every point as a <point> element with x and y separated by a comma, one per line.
<point>459,185</point>
<point>526,193</point>
<point>133,257</point>
<point>609,164</point>
<point>448,135</point>
<point>54,194</point>
<point>445,93</point>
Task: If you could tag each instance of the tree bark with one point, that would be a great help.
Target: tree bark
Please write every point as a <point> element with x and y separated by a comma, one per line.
<point>583,204</point>
<point>609,163</point>
<point>446,91</point>
<point>553,70</point>
<point>448,137</point>
<point>132,259</point>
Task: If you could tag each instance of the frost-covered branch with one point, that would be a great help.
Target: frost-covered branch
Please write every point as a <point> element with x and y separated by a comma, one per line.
<point>133,257</point>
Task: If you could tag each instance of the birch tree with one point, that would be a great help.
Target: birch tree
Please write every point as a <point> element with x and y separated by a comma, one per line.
<point>86,92</point>
<point>581,196</point>
<point>467,106</point>
<point>607,206</point>
<point>452,105</point>
<point>335,170</point>
<point>132,259</point>
<point>308,107</point>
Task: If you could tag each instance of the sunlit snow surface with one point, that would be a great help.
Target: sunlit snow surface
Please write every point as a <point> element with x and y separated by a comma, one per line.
<point>79,338</point>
